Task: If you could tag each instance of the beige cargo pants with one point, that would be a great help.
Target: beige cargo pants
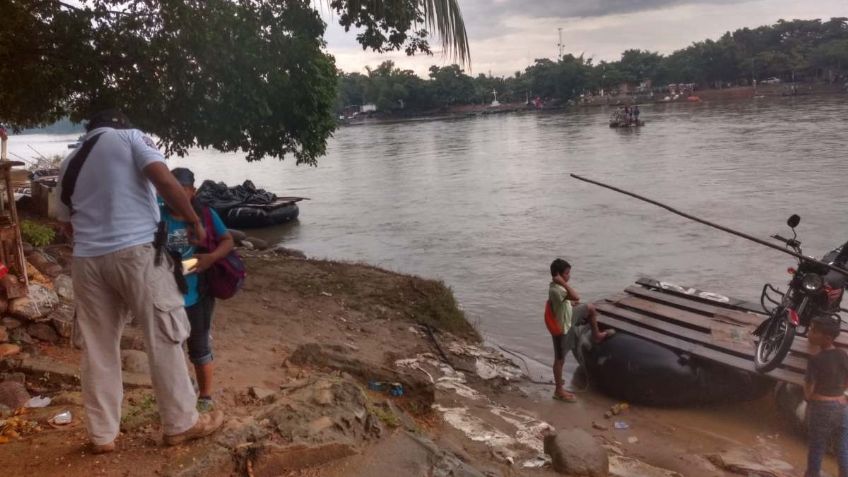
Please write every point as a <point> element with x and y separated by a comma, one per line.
<point>106,288</point>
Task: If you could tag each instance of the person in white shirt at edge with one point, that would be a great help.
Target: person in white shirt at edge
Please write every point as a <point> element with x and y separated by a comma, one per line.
<point>113,216</point>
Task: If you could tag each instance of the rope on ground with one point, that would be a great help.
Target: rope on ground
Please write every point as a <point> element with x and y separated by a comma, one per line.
<point>442,351</point>
<point>534,381</point>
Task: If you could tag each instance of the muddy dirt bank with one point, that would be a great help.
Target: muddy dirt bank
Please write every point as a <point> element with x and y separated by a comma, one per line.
<point>310,358</point>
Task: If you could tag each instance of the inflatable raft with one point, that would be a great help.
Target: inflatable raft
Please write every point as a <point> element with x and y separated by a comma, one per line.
<point>254,216</point>
<point>678,346</point>
<point>639,371</point>
<point>245,206</point>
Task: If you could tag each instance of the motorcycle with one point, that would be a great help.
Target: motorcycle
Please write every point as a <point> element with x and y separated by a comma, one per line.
<point>815,289</point>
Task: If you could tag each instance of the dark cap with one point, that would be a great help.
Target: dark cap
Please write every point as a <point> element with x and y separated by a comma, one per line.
<point>184,176</point>
<point>110,118</point>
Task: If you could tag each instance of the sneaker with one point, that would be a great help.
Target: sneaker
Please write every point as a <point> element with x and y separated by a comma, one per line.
<point>206,424</point>
<point>205,404</point>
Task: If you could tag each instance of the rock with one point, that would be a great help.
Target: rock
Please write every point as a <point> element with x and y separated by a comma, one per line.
<point>28,248</point>
<point>62,319</point>
<point>621,466</point>
<point>16,377</point>
<point>37,304</point>
<point>4,305</point>
<point>739,461</point>
<point>257,242</point>
<point>273,460</point>
<point>64,286</point>
<point>10,323</point>
<point>238,431</point>
<point>247,244</point>
<point>68,398</point>
<point>599,426</point>
<point>575,452</point>
<point>320,424</point>
<point>5,411</point>
<point>238,235</point>
<point>134,361</point>
<point>132,338</point>
<point>13,394</point>
<point>43,264</point>
<point>19,335</point>
<point>287,252</point>
<point>43,332</point>
<point>261,393</point>
<point>4,335</point>
<point>8,349</point>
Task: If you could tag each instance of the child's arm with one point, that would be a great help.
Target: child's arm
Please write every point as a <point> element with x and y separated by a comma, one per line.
<point>572,294</point>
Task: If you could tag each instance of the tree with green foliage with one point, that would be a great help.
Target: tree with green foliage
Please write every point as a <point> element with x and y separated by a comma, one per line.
<point>450,85</point>
<point>229,74</point>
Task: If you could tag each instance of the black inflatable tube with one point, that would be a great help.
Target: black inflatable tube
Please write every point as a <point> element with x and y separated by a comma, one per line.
<point>254,217</point>
<point>643,372</point>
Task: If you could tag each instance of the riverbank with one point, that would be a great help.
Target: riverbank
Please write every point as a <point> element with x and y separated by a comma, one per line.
<point>739,93</point>
<point>299,355</point>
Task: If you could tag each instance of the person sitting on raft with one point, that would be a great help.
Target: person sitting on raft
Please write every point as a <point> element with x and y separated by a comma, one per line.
<point>562,313</point>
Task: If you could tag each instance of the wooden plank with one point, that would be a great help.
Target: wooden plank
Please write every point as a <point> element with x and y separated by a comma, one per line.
<point>728,334</point>
<point>740,345</point>
<point>698,349</point>
<point>669,313</point>
<point>720,314</point>
<point>733,303</point>
<point>696,306</point>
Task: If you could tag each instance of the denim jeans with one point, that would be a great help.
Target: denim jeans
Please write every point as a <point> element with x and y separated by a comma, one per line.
<point>827,420</point>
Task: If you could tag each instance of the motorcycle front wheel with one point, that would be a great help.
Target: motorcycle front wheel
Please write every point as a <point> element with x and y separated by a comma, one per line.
<point>774,342</point>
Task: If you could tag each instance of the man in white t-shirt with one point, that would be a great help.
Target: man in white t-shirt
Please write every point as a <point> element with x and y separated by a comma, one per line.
<point>108,188</point>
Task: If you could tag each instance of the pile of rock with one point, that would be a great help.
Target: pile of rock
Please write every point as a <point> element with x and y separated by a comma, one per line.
<point>46,313</point>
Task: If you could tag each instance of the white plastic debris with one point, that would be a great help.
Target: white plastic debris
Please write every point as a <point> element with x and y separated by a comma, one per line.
<point>38,401</point>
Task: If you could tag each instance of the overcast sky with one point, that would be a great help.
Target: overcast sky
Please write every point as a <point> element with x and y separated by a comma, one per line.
<point>507,35</point>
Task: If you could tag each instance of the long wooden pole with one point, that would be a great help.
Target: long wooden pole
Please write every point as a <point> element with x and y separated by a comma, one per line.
<point>711,224</point>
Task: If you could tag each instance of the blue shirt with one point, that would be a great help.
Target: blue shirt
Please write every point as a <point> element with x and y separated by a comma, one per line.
<point>178,242</point>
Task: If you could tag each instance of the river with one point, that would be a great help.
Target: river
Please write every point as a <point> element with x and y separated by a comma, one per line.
<point>486,203</point>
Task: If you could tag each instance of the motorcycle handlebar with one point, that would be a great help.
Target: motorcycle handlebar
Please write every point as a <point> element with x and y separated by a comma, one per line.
<point>790,242</point>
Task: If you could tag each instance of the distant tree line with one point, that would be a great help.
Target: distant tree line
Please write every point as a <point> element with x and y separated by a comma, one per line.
<point>799,50</point>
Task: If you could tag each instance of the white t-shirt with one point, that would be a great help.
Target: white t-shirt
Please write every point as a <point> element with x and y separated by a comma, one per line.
<point>114,204</point>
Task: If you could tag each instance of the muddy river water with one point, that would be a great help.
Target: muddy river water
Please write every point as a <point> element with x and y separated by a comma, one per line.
<point>486,203</point>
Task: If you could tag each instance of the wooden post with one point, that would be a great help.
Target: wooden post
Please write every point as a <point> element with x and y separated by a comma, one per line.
<point>20,264</point>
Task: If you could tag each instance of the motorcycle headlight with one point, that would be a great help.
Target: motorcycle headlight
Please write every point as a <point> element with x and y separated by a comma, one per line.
<point>812,282</point>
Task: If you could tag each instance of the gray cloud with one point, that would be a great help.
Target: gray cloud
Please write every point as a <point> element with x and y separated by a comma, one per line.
<point>487,18</point>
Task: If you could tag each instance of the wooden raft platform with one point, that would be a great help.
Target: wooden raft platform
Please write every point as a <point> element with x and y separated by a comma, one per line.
<point>703,324</point>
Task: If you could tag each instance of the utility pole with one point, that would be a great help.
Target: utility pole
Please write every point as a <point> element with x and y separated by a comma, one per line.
<point>560,45</point>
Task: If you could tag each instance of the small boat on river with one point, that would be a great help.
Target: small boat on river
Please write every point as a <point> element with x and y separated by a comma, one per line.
<point>625,124</point>
<point>244,206</point>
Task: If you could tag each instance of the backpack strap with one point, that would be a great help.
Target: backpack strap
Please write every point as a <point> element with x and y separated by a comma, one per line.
<point>209,226</point>
<point>69,180</point>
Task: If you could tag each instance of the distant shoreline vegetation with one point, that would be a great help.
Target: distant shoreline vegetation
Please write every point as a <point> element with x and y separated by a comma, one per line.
<point>788,51</point>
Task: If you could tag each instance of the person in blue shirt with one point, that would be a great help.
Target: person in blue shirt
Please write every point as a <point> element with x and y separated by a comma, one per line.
<point>198,304</point>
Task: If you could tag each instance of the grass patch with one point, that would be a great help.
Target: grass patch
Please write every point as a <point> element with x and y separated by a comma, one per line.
<point>141,410</point>
<point>372,290</point>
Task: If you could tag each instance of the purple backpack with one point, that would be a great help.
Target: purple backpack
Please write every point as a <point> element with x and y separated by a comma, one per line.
<point>226,276</point>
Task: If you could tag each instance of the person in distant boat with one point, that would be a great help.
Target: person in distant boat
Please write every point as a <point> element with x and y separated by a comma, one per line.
<point>636,113</point>
<point>627,115</point>
<point>562,314</point>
